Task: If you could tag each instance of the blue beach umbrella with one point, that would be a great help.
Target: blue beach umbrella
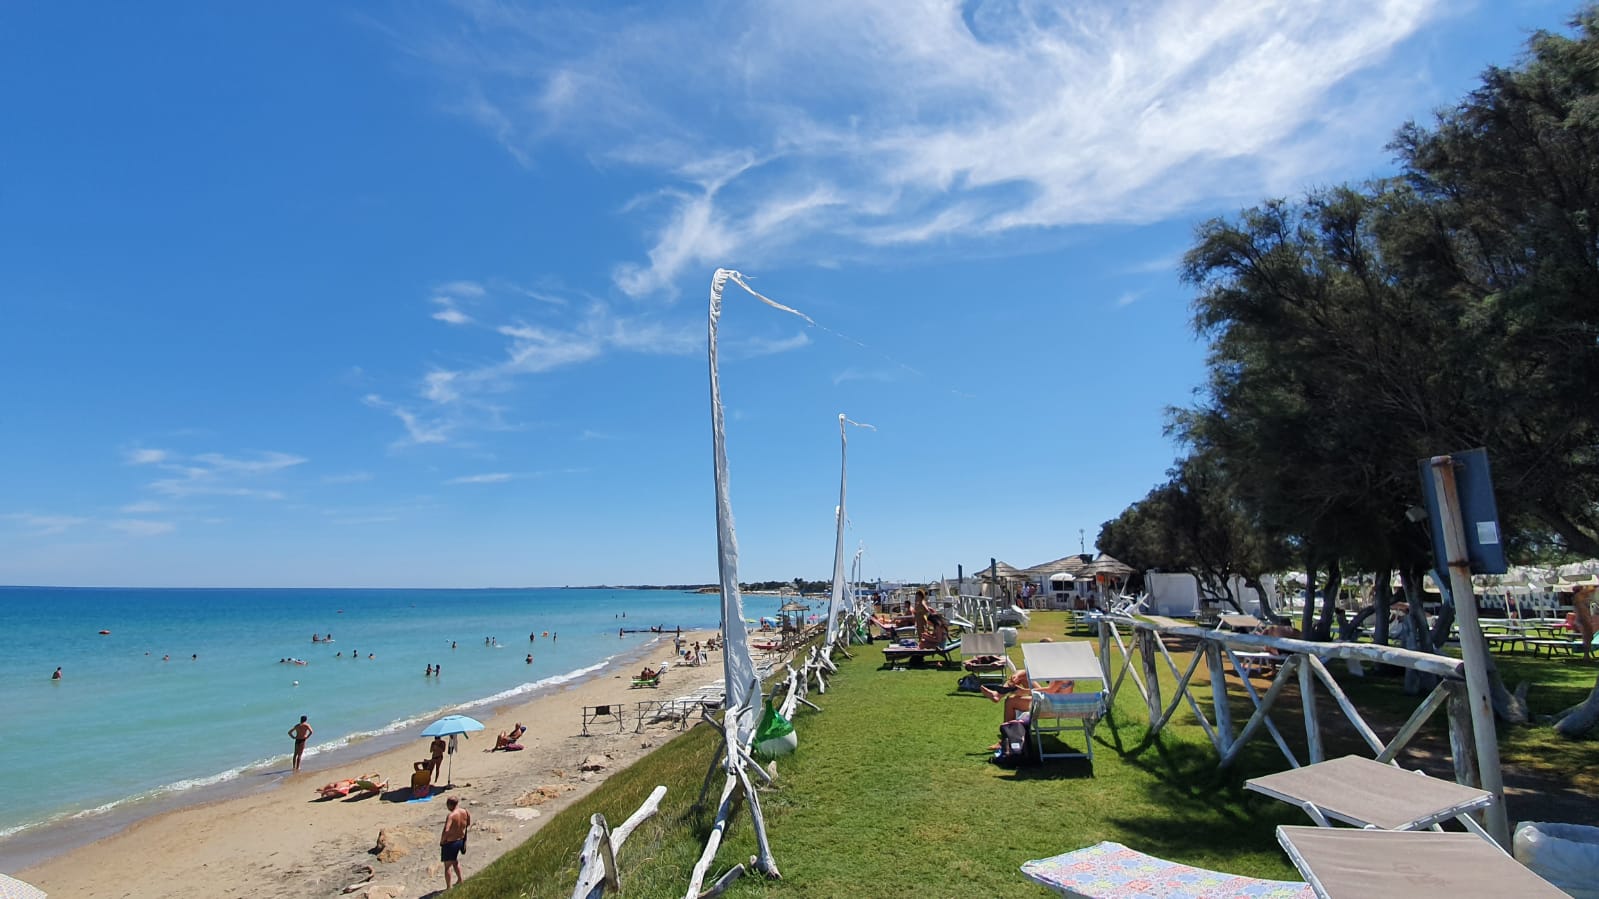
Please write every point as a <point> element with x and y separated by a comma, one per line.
<point>449,726</point>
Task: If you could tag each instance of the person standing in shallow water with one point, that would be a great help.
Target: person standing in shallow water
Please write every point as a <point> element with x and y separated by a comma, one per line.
<point>300,732</point>
<point>57,675</point>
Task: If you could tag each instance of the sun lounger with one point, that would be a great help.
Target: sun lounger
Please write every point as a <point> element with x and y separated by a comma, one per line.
<point>1110,870</point>
<point>1055,711</point>
<point>976,649</point>
<point>1377,864</point>
<point>898,655</point>
<point>1240,623</point>
<point>653,681</point>
<point>1367,793</point>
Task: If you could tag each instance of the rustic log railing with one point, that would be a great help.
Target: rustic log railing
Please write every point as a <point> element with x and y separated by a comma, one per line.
<point>598,870</point>
<point>1139,659</point>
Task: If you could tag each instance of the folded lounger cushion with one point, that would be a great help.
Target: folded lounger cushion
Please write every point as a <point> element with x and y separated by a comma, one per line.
<point>1112,870</point>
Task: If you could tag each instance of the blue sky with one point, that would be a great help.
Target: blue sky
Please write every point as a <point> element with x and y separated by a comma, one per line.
<point>414,294</point>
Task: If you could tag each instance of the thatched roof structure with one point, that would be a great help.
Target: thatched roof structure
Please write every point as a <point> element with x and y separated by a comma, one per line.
<point>1072,564</point>
<point>1105,564</point>
<point>1000,570</point>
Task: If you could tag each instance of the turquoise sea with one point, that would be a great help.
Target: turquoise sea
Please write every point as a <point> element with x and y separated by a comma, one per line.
<point>186,698</point>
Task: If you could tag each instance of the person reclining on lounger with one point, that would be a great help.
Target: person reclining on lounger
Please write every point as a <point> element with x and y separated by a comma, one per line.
<point>1016,693</point>
<point>504,740</point>
<point>936,633</point>
<point>647,674</point>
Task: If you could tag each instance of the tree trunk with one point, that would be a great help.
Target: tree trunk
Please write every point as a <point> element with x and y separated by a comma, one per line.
<point>1581,718</point>
<point>1416,635</point>
<point>1351,628</point>
<point>1267,610</point>
<point>1310,593</point>
<point>1382,598</point>
<point>1329,600</point>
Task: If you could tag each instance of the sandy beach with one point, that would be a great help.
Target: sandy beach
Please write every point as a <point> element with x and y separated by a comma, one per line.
<point>288,841</point>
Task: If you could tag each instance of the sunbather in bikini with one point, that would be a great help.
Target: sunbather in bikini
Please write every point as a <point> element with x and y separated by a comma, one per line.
<point>504,740</point>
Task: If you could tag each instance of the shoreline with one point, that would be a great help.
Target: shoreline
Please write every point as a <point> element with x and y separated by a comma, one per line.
<point>177,840</point>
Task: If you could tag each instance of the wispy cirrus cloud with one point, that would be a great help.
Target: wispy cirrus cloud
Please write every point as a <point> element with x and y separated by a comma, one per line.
<point>497,477</point>
<point>144,507</point>
<point>215,474</point>
<point>35,525</point>
<point>351,477</point>
<point>754,347</point>
<point>935,122</point>
<point>447,401</point>
<point>140,527</point>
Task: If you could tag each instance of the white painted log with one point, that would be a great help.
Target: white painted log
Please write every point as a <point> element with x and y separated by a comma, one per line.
<point>1412,725</point>
<point>714,841</point>
<point>1307,700</point>
<point>764,862</point>
<point>1462,744</point>
<point>723,882</point>
<point>1222,737</point>
<point>1444,666</point>
<point>1183,690</point>
<point>1348,707</point>
<point>598,870</point>
<point>1145,641</point>
<point>1262,710</point>
<point>1254,697</point>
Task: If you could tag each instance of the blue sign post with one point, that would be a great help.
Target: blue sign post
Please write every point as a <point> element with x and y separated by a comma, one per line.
<point>1485,548</point>
<point>1466,539</point>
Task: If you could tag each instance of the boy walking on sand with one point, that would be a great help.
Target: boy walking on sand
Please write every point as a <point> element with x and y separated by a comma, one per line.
<point>452,842</point>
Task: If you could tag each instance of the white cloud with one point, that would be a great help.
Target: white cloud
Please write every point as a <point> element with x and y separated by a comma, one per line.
<point>1128,298</point>
<point>45,525</point>
<point>216,474</point>
<point>834,127</point>
<point>497,477</point>
<point>354,477</point>
<point>461,289</point>
<point>142,508</point>
<point>453,316</point>
<point>752,347</point>
<point>146,456</point>
<point>138,527</point>
<point>417,431</point>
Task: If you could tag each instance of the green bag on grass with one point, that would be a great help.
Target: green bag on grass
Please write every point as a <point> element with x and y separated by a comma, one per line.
<point>774,736</point>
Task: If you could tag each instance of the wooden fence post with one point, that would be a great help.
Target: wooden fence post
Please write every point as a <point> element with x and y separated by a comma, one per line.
<point>1218,697</point>
<point>1461,743</point>
<point>1146,657</point>
<point>1307,696</point>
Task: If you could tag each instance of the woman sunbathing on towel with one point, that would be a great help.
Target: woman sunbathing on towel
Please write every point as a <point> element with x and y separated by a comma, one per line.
<point>337,788</point>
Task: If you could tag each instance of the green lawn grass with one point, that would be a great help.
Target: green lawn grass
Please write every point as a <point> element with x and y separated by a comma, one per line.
<point>892,793</point>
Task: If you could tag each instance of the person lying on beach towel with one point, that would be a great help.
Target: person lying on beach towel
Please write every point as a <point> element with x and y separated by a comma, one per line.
<point>336,788</point>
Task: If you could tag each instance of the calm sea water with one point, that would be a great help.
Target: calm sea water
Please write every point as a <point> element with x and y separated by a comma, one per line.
<point>186,694</point>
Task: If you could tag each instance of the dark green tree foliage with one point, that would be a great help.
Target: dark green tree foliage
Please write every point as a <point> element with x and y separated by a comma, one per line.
<point>1193,524</point>
<point>1366,327</point>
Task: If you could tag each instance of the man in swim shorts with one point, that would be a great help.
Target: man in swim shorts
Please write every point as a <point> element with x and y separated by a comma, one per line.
<point>300,732</point>
<point>452,842</point>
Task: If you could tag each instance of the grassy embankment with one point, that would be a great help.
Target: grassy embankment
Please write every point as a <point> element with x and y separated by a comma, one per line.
<point>892,792</point>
